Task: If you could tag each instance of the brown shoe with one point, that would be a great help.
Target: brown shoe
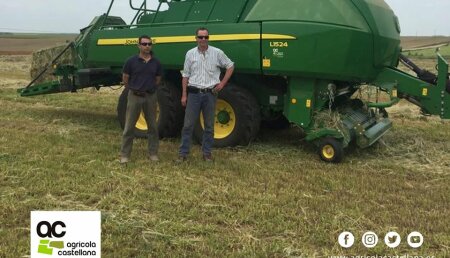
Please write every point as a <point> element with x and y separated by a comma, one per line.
<point>123,160</point>
<point>207,157</point>
<point>153,158</point>
<point>181,159</point>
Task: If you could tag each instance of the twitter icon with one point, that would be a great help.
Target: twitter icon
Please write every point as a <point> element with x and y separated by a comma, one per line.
<point>392,239</point>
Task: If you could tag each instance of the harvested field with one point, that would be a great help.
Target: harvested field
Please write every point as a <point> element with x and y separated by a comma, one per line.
<point>415,42</point>
<point>44,48</point>
<point>26,44</point>
<point>14,71</point>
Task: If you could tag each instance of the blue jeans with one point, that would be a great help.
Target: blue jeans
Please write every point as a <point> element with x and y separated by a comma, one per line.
<point>196,103</point>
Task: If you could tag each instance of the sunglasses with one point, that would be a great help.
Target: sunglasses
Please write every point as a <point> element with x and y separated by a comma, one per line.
<point>146,44</point>
<point>203,37</point>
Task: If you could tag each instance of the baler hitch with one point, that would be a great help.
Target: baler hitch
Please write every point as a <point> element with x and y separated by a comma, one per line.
<point>422,74</point>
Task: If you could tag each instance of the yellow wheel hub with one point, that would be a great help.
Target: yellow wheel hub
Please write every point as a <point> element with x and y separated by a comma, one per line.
<point>141,124</point>
<point>328,151</point>
<point>224,120</point>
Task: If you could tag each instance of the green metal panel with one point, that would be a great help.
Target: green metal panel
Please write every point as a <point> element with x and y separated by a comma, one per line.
<point>205,10</point>
<point>325,132</point>
<point>374,133</point>
<point>299,101</point>
<point>319,51</point>
<point>340,13</point>
<point>246,54</point>
<point>178,11</point>
<point>385,29</point>
<point>82,43</point>
<point>148,18</point>
<point>332,39</point>
<point>43,88</point>
<point>371,16</point>
<point>200,10</point>
<point>443,77</point>
<point>431,98</point>
<point>247,8</point>
<point>110,55</point>
<point>233,13</point>
<point>269,91</point>
<point>172,43</point>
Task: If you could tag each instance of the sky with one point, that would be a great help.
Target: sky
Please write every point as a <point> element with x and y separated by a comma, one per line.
<point>417,17</point>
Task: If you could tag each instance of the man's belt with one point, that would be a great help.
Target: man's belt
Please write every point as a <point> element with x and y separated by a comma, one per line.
<point>142,93</point>
<point>191,89</point>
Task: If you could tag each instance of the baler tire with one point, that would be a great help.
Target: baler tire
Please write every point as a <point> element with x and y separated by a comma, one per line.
<point>278,123</point>
<point>247,118</point>
<point>356,104</point>
<point>122,111</point>
<point>331,150</point>
<point>171,113</point>
<point>384,113</point>
<point>170,118</point>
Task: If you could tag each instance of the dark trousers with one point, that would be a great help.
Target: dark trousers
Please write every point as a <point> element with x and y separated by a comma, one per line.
<point>135,105</point>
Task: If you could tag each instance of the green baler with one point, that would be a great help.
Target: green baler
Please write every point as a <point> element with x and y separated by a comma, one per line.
<point>296,61</point>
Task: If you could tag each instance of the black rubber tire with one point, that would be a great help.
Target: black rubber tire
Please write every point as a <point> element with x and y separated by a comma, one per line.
<point>336,145</point>
<point>384,113</point>
<point>277,123</point>
<point>248,118</point>
<point>356,103</point>
<point>121,114</point>
<point>171,113</point>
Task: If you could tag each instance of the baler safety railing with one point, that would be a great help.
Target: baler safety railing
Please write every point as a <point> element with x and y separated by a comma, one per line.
<point>142,10</point>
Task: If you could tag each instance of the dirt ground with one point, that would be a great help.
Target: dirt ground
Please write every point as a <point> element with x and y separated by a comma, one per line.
<point>11,45</point>
<point>415,42</point>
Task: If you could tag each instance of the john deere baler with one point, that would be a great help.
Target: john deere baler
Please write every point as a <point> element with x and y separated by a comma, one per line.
<point>296,61</point>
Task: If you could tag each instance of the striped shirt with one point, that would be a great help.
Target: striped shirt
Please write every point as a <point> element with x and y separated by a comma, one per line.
<point>203,69</point>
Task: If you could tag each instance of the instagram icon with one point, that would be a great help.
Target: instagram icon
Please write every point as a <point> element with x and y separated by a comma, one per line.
<point>369,239</point>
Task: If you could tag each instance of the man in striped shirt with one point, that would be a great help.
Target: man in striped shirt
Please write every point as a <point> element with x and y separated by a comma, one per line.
<point>201,83</point>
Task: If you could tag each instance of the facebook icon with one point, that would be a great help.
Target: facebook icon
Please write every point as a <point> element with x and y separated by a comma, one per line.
<point>346,239</point>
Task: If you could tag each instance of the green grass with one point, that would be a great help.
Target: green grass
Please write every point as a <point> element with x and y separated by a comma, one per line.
<point>273,198</point>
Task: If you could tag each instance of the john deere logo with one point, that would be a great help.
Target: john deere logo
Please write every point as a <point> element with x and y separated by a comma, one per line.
<point>46,229</point>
